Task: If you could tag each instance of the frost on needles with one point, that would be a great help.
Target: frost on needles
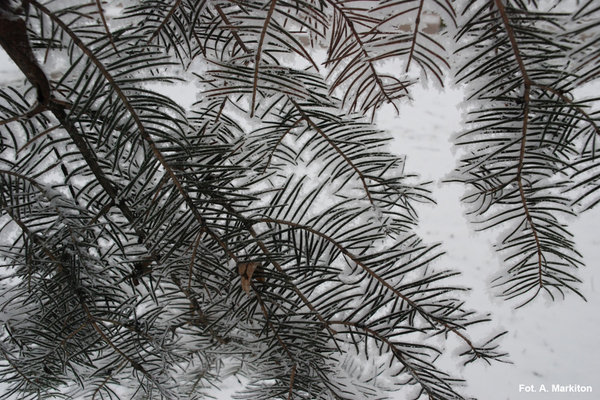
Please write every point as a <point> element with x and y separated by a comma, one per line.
<point>150,250</point>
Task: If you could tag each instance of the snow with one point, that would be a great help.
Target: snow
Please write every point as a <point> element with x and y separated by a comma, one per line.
<point>549,343</point>
<point>9,72</point>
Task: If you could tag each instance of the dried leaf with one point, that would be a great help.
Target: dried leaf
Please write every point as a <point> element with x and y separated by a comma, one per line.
<point>246,270</point>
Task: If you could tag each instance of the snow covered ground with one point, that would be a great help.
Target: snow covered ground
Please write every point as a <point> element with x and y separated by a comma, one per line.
<point>549,343</point>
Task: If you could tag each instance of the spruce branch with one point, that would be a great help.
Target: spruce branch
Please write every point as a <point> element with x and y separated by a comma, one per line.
<point>267,231</point>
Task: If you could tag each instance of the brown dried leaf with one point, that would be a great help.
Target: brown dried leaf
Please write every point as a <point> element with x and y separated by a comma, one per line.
<point>246,270</point>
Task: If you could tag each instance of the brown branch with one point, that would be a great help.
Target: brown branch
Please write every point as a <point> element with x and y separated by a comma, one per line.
<point>59,112</point>
<point>16,368</point>
<point>92,161</point>
<point>248,226</point>
<point>36,137</point>
<point>519,179</point>
<point>522,150</point>
<point>513,40</point>
<point>570,102</point>
<point>105,381</point>
<point>272,327</point>
<point>280,340</point>
<point>279,142</point>
<point>527,83</point>
<point>415,34</point>
<point>38,109</point>
<point>534,231</point>
<point>364,52</point>
<point>134,364</point>
<point>164,21</point>
<point>157,191</point>
<point>196,309</point>
<point>221,108</point>
<point>336,148</point>
<point>374,275</point>
<point>259,54</point>
<point>73,334</point>
<point>395,351</point>
<point>235,35</point>
<point>105,24</point>
<point>14,40</point>
<point>102,212</point>
<point>24,177</point>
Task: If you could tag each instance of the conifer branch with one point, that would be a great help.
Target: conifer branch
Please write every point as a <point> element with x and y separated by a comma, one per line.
<point>415,34</point>
<point>432,319</point>
<point>316,127</point>
<point>270,228</point>
<point>105,25</point>
<point>526,99</point>
<point>258,55</point>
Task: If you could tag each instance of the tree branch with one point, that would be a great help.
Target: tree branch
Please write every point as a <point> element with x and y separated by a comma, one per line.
<point>426,315</point>
<point>527,83</point>
<point>361,176</point>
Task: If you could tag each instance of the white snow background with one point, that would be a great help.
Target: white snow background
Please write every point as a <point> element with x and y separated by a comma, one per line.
<point>548,342</point>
